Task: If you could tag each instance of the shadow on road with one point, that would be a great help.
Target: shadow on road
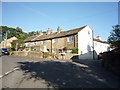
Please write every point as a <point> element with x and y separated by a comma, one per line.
<point>61,74</point>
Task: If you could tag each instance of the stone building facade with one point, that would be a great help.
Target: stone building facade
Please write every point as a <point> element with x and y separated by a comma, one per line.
<point>7,43</point>
<point>53,44</point>
<point>82,38</point>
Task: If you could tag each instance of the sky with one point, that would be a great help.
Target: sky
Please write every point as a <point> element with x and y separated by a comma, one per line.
<point>37,16</point>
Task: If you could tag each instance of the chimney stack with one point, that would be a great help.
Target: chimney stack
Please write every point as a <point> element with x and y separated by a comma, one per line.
<point>40,33</point>
<point>59,29</point>
<point>49,31</point>
<point>98,37</point>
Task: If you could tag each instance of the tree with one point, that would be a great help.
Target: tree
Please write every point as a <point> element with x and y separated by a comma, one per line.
<point>32,33</point>
<point>17,32</point>
<point>18,45</point>
<point>114,38</point>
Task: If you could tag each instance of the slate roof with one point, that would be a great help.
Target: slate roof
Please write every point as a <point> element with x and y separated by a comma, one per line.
<point>100,41</point>
<point>54,35</point>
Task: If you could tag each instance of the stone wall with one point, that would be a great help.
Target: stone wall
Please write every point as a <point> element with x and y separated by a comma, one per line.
<point>28,54</point>
<point>40,55</point>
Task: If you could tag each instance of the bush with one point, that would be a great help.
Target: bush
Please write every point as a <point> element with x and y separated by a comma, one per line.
<point>46,54</point>
<point>75,50</point>
<point>12,53</point>
<point>111,61</point>
<point>55,56</point>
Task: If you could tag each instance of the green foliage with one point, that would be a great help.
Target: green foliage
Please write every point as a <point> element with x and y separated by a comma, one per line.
<point>18,45</point>
<point>9,49</point>
<point>12,53</point>
<point>10,32</point>
<point>17,32</point>
<point>46,54</point>
<point>114,38</point>
<point>44,32</point>
<point>75,50</point>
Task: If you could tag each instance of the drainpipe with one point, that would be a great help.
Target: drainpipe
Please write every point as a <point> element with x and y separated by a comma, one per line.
<point>51,45</point>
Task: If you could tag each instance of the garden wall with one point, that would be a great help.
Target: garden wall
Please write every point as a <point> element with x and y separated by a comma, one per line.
<point>40,55</point>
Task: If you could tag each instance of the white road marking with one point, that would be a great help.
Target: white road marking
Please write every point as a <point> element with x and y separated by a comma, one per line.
<point>1,76</point>
<point>81,65</point>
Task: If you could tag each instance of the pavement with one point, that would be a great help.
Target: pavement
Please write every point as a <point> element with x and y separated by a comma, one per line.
<point>24,72</point>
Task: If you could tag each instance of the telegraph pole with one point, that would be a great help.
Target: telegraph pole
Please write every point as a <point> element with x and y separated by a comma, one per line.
<point>6,38</point>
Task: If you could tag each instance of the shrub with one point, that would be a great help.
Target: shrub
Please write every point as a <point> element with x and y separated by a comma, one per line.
<point>12,53</point>
<point>46,54</point>
<point>75,50</point>
<point>55,56</point>
<point>65,48</point>
<point>111,61</point>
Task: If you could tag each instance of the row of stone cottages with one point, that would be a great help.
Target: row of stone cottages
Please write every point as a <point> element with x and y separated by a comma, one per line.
<point>88,48</point>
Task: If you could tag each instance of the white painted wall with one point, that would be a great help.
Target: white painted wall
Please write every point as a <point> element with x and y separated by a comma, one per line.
<point>101,47</point>
<point>85,43</point>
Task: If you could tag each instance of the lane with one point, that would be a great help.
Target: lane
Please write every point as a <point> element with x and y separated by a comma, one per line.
<point>57,74</point>
<point>10,62</point>
<point>0,72</point>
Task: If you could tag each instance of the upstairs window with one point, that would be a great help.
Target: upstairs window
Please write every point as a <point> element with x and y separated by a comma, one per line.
<point>26,44</point>
<point>35,43</point>
<point>88,32</point>
<point>70,39</point>
<point>43,42</point>
<point>54,40</point>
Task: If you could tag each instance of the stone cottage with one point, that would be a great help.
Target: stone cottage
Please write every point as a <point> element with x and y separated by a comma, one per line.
<point>7,43</point>
<point>56,42</point>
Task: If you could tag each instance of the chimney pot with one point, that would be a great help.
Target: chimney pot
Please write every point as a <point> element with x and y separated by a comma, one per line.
<point>98,37</point>
<point>49,31</point>
<point>40,33</point>
<point>59,29</point>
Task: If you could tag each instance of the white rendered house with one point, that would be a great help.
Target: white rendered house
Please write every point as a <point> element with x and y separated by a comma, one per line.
<point>89,48</point>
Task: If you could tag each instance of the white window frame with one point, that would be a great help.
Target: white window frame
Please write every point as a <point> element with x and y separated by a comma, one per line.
<point>35,43</point>
<point>54,40</point>
<point>70,39</point>
<point>26,44</point>
<point>41,42</point>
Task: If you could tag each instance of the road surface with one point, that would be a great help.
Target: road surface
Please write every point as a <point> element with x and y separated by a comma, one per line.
<point>23,72</point>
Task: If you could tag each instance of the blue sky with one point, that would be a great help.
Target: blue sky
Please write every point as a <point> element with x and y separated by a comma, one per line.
<point>36,16</point>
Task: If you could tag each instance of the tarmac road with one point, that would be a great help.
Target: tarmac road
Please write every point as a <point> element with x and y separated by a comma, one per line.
<point>39,73</point>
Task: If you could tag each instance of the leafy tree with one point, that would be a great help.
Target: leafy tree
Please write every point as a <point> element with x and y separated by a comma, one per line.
<point>32,33</point>
<point>18,45</point>
<point>8,32</point>
<point>114,38</point>
<point>12,32</point>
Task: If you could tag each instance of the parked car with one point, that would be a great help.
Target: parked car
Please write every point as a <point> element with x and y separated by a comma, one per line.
<point>4,51</point>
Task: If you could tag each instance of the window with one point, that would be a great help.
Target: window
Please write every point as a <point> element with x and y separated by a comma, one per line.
<point>81,52</point>
<point>88,32</point>
<point>70,39</point>
<point>35,43</point>
<point>95,44</point>
<point>54,40</point>
<point>26,44</point>
<point>42,42</point>
<point>69,51</point>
